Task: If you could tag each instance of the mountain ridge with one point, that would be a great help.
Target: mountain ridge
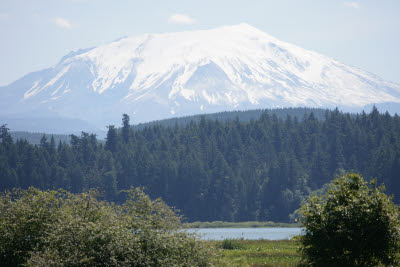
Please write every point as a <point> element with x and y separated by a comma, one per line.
<point>159,76</point>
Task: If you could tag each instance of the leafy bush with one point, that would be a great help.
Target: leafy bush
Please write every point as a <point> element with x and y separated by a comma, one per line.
<point>353,224</point>
<point>57,228</point>
<point>230,243</point>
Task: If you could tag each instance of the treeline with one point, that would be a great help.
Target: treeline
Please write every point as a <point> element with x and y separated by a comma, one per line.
<point>34,138</point>
<point>243,116</point>
<point>212,170</point>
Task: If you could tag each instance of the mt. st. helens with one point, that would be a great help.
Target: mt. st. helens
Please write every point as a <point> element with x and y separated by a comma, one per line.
<point>156,76</point>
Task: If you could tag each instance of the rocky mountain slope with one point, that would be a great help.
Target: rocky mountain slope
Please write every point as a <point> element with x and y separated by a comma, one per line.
<point>157,76</point>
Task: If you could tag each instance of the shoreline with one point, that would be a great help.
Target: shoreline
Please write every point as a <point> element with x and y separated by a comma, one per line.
<point>251,224</point>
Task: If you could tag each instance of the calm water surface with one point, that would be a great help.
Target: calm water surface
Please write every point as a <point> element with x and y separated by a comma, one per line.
<point>246,233</point>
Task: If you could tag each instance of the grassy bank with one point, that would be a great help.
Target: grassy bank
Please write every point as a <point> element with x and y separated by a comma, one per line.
<point>219,224</point>
<point>258,253</point>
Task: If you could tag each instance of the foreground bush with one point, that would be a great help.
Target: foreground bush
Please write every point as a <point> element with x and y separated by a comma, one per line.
<point>57,228</point>
<point>353,224</point>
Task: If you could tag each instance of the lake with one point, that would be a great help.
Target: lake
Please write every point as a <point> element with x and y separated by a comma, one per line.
<point>246,233</point>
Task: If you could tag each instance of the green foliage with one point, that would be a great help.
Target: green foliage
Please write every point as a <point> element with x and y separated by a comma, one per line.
<point>126,128</point>
<point>26,218</point>
<point>34,138</point>
<point>242,116</point>
<point>230,243</point>
<point>253,168</point>
<point>261,253</point>
<point>57,228</point>
<point>5,136</point>
<point>253,224</point>
<point>353,224</point>
<point>112,139</point>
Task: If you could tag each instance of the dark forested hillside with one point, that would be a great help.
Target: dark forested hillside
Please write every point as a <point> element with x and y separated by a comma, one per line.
<point>212,170</point>
<point>34,138</point>
<point>243,116</point>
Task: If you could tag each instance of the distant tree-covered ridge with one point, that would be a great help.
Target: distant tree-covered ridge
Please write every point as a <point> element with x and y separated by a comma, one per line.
<point>245,116</point>
<point>241,115</point>
<point>256,170</point>
<point>34,138</point>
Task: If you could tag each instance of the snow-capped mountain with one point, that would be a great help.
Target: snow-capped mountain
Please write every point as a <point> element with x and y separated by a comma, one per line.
<point>156,76</point>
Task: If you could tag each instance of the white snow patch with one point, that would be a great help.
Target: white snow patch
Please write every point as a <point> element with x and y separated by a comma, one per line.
<point>32,91</point>
<point>58,76</point>
<point>58,88</point>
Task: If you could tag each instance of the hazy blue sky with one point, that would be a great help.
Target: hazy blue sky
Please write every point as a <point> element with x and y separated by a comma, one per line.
<point>35,34</point>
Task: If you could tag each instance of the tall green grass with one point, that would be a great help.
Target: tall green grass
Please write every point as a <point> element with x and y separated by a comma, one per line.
<point>258,253</point>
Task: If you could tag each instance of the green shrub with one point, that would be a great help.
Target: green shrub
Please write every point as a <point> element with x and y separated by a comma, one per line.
<point>56,228</point>
<point>230,243</point>
<point>353,224</point>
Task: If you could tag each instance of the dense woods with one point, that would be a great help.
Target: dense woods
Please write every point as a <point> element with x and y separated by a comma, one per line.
<point>231,170</point>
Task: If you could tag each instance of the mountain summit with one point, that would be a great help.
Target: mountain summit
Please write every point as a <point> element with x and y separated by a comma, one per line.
<point>156,76</point>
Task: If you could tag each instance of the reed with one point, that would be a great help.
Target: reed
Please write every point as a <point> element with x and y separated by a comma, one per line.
<point>259,253</point>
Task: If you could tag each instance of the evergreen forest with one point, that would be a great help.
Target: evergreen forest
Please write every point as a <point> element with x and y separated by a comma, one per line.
<point>228,170</point>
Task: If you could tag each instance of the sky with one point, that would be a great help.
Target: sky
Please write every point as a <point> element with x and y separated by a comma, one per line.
<point>36,34</point>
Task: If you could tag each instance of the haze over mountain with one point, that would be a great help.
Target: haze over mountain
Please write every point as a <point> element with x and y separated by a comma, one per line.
<point>157,76</point>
